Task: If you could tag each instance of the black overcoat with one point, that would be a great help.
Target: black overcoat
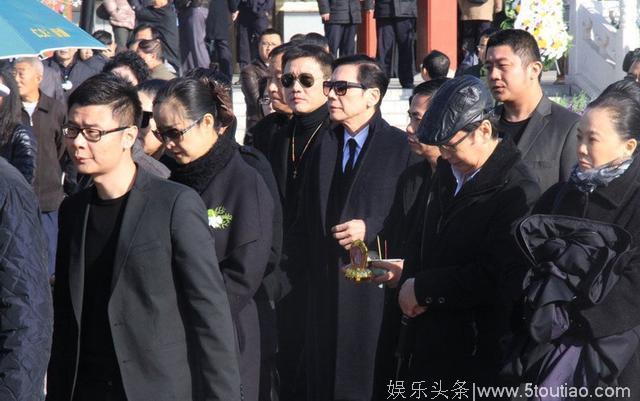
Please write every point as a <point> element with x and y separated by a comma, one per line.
<point>343,318</point>
<point>468,269</point>
<point>219,19</point>
<point>243,249</point>
<point>344,11</point>
<point>616,203</point>
<point>169,314</point>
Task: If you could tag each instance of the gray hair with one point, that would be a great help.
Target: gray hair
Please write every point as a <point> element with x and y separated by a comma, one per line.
<point>34,61</point>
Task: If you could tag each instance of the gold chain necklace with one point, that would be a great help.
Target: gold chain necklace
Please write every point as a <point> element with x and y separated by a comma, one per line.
<point>293,148</point>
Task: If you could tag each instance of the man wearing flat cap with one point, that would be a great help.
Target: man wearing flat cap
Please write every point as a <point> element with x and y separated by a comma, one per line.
<point>459,287</point>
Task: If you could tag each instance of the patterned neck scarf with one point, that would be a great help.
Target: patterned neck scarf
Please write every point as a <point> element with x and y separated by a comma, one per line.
<point>587,181</point>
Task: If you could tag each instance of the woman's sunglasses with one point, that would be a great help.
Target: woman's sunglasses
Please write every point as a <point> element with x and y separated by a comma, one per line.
<point>305,79</point>
<point>174,134</point>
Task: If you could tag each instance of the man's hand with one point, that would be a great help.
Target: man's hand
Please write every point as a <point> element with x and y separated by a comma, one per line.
<point>407,300</point>
<point>234,16</point>
<point>393,274</point>
<point>348,232</point>
<point>325,17</point>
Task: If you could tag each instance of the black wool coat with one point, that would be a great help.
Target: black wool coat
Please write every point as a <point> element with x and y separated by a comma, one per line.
<point>343,318</point>
<point>344,11</point>
<point>219,19</point>
<point>243,247</point>
<point>396,9</point>
<point>616,203</point>
<point>468,269</point>
<point>171,324</point>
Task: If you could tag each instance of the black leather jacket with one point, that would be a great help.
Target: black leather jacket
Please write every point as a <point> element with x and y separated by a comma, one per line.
<point>21,151</point>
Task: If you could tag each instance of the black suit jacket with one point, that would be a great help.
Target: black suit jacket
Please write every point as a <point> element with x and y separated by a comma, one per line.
<point>344,317</point>
<point>170,317</point>
<point>548,144</point>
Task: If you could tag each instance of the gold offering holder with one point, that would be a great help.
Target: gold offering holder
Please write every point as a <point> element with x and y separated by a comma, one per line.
<point>358,270</point>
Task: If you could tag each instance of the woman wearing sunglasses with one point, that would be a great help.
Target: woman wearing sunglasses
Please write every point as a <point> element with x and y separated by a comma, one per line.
<point>240,207</point>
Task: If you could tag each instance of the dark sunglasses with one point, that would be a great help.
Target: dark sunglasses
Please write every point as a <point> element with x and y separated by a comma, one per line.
<point>305,80</point>
<point>339,87</point>
<point>146,117</point>
<point>174,134</point>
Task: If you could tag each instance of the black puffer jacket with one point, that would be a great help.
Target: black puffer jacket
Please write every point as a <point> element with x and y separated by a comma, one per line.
<point>26,313</point>
<point>21,150</point>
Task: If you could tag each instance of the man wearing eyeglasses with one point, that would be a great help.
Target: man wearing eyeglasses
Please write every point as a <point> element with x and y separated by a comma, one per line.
<point>140,307</point>
<point>348,193</point>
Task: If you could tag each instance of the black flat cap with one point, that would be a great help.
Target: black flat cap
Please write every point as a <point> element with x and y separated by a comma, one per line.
<point>458,103</point>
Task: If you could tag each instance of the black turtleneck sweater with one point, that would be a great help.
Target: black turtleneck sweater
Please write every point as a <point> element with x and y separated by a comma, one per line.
<point>302,131</point>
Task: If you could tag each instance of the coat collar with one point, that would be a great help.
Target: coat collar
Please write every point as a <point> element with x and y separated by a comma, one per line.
<point>493,173</point>
<point>619,190</point>
<point>537,123</point>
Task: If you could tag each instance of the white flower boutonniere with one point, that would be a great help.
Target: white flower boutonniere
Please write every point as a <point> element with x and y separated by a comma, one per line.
<point>219,218</point>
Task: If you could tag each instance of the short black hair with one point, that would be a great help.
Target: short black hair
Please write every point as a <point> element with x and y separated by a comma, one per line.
<point>104,37</point>
<point>278,50</point>
<point>109,90</point>
<point>521,43</point>
<point>437,64</point>
<point>129,59</point>
<point>370,73</point>
<point>270,31</point>
<point>311,51</point>
<point>314,38</point>
<point>297,38</point>
<point>428,88</point>
<point>151,86</point>
<point>155,34</point>
<point>151,46</point>
<point>631,57</point>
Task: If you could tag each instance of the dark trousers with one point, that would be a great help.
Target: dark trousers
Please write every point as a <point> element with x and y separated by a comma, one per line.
<point>342,38</point>
<point>401,32</point>
<point>221,54</point>
<point>471,33</point>
<point>50,226</point>
<point>248,30</point>
<point>99,391</point>
<point>193,49</point>
<point>121,35</point>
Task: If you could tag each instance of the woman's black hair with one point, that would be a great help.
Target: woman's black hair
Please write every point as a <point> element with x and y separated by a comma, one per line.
<point>220,86</point>
<point>195,97</point>
<point>622,100</point>
<point>11,107</point>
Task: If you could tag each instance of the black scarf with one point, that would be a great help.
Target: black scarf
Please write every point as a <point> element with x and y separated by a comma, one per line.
<point>199,173</point>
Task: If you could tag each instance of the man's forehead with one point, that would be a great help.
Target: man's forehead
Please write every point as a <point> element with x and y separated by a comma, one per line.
<point>303,64</point>
<point>94,114</point>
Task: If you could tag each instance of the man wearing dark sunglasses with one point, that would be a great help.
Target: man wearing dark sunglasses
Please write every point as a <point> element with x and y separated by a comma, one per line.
<point>348,193</point>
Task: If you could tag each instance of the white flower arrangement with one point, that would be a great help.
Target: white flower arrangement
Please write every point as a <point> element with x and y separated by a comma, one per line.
<point>543,19</point>
<point>219,218</point>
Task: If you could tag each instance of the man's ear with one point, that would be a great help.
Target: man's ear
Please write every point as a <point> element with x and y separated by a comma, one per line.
<point>536,69</point>
<point>129,137</point>
<point>373,97</point>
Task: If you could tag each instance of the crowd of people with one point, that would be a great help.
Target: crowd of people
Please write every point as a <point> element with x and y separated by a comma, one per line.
<point>149,256</point>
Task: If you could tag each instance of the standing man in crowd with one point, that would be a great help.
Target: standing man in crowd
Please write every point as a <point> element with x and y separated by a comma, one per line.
<point>141,310</point>
<point>72,71</point>
<point>435,65</point>
<point>45,116</point>
<point>162,17</point>
<point>253,19</point>
<point>348,193</point>
<point>396,25</point>
<point>192,23</point>
<point>341,19</point>
<point>476,17</point>
<point>479,70</point>
<point>260,135</point>
<point>544,131</point>
<point>221,14</point>
<point>151,52</point>
<point>253,78</point>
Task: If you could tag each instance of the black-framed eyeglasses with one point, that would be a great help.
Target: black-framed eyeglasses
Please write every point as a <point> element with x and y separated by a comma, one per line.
<point>174,134</point>
<point>452,146</point>
<point>146,117</point>
<point>90,134</point>
<point>340,87</point>
<point>307,80</point>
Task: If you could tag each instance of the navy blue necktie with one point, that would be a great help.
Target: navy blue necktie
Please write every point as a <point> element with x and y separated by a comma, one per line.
<point>348,169</point>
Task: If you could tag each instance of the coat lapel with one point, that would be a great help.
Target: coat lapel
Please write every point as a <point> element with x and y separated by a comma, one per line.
<point>280,152</point>
<point>133,213</point>
<point>535,127</point>
<point>76,257</point>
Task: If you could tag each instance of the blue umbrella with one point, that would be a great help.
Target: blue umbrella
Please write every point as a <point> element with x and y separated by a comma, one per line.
<point>29,28</point>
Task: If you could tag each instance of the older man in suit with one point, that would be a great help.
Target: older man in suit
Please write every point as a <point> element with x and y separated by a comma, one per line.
<point>544,131</point>
<point>140,306</point>
<point>348,192</point>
